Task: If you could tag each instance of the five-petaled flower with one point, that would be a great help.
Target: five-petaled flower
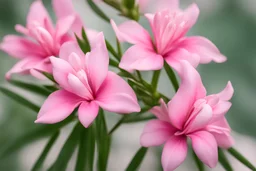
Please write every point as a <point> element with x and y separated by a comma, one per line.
<point>86,82</point>
<point>41,39</point>
<point>169,42</point>
<point>190,114</point>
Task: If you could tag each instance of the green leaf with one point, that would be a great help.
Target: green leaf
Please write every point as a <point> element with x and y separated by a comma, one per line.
<point>97,10</point>
<point>113,63</point>
<point>224,161</point>
<point>198,162</point>
<point>137,159</point>
<point>31,87</point>
<point>45,152</point>
<point>129,4</point>
<point>112,50</point>
<point>81,44</point>
<point>241,158</point>
<point>40,131</point>
<point>139,119</point>
<point>103,141</point>
<point>67,150</point>
<point>48,75</point>
<point>18,98</point>
<point>171,76</point>
<point>85,157</point>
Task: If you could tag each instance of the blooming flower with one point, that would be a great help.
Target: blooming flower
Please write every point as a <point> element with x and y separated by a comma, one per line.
<point>169,41</point>
<point>41,39</point>
<point>190,114</point>
<point>87,83</point>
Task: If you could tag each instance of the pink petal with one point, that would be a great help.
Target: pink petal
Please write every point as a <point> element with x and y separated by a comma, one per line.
<point>161,112</point>
<point>174,153</point>
<point>23,66</point>
<point>78,88</point>
<point>141,58</point>
<point>61,69</point>
<point>156,132</point>
<point>191,15</point>
<point>63,25</point>
<point>97,63</point>
<point>221,109</point>
<point>58,106</point>
<point>38,15</point>
<point>44,65</point>
<point>175,56</point>
<point>87,113</point>
<point>20,47</point>
<point>132,32</point>
<point>227,93</point>
<point>205,147</point>
<point>115,95</point>
<point>221,131</point>
<point>200,120</point>
<point>191,89</point>
<point>68,48</point>
<point>204,48</point>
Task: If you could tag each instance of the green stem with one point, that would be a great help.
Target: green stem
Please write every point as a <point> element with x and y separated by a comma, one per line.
<point>224,161</point>
<point>199,164</point>
<point>119,48</point>
<point>171,76</point>
<point>155,79</point>
<point>241,158</point>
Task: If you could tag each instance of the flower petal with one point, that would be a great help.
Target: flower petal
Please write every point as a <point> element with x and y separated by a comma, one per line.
<point>156,132</point>
<point>191,89</point>
<point>205,147</point>
<point>20,47</point>
<point>68,48</point>
<point>87,112</point>
<point>63,25</point>
<point>61,69</point>
<point>202,47</point>
<point>97,63</point>
<point>161,112</point>
<point>141,58</point>
<point>227,93</point>
<point>220,110</point>
<point>191,15</point>
<point>132,32</point>
<point>174,153</point>
<point>38,15</point>
<point>58,106</point>
<point>115,95</point>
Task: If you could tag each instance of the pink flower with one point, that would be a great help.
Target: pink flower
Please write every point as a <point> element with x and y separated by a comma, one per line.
<point>41,39</point>
<point>86,83</point>
<point>190,114</point>
<point>169,42</point>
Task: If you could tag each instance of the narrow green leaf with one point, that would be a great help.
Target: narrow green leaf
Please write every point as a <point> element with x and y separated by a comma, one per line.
<point>224,161</point>
<point>119,48</point>
<point>85,157</point>
<point>241,158</point>
<point>139,119</point>
<point>39,132</point>
<point>155,79</point>
<point>87,47</point>
<point>18,98</point>
<point>171,76</point>
<point>198,162</point>
<point>137,159</point>
<point>113,63</point>
<point>103,141</point>
<point>129,3</point>
<point>112,50</point>
<point>81,44</point>
<point>67,150</point>
<point>31,87</point>
<point>97,10</point>
<point>45,152</point>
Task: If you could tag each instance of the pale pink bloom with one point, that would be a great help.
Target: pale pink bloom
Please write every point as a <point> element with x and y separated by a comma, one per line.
<point>190,114</point>
<point>169,42</point>
<point>86,83</point>
<point>41,38</point>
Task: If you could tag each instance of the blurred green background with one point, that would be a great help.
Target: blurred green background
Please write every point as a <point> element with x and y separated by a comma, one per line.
<point>230,24</point>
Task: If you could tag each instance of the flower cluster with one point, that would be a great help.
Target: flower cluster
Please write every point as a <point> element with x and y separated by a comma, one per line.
<point>85,82</point>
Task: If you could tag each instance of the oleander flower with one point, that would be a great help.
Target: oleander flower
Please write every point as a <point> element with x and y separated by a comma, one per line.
<point>169,42</point>
<point>86,83</point>
<point>41,38</point>
<point>190,114</point>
